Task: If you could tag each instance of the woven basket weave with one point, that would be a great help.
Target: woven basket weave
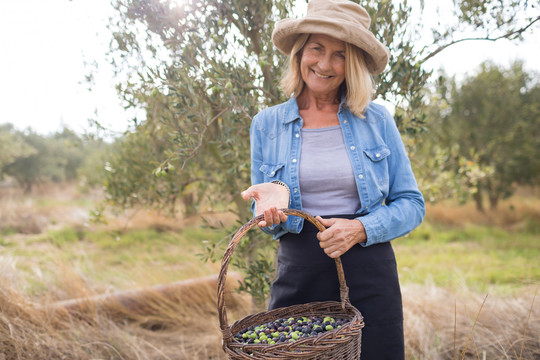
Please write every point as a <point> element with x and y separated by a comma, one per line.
<point>338,344</point>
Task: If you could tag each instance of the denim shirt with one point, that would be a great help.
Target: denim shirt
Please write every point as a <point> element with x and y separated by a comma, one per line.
<point>391,204</point>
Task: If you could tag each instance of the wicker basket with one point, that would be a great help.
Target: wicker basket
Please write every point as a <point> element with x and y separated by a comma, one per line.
<point>342,343</point>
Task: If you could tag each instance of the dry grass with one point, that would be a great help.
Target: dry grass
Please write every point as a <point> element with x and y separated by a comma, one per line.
<point>179,325</point>
<point>53,206</point>
<point>185,325</point>
<point>46,207</point>
<point>516,213</point>
<point>36,272</point>
<point>440,325</point>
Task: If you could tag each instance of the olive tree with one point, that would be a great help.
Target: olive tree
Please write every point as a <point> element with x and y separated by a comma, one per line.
<point>491,117</point>
<point>12,147</point>
<point>199,70</point>
<point>41,159</point>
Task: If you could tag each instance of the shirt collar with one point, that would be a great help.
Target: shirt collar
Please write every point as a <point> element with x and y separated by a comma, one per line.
<point>292,113</point>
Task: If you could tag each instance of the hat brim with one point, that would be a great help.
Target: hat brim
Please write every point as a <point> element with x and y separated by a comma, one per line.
<point>287,30</point>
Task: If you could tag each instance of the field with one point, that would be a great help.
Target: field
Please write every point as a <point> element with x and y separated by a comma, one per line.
<point>469,280</point>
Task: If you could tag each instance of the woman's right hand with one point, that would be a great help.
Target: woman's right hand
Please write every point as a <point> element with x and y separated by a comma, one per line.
<point>268,198</point>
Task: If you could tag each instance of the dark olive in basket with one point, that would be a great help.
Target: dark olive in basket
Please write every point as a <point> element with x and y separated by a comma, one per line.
<point>290,329</point>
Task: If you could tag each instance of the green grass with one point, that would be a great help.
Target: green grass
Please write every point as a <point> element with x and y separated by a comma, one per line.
<point>122,259</point>
<point>479,257</point>
<point>63,237</point>
<point>4,242</point>
<point>44,202</point>
<point>7,231</point>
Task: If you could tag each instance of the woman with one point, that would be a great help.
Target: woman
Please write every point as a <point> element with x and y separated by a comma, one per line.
<point>331,152</point>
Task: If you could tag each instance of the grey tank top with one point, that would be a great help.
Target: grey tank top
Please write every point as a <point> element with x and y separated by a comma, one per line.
<point>327,183</point>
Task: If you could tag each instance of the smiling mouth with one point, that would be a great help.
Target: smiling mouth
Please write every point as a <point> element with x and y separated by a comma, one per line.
<point>321,75</point>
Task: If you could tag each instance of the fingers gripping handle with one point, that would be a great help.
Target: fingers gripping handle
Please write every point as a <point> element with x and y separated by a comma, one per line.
<point>227,335</point>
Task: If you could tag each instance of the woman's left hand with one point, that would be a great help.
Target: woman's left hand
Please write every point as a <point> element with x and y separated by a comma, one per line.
<point>340,235</point>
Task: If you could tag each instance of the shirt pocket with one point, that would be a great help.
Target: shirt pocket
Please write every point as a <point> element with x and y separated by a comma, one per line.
<point>272,132</point>
<point>379,165</point>
<point>271,172</point>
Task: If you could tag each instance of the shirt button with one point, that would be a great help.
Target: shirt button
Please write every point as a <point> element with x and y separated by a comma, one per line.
<point>360,176</point>
<point>296,221</point>
<point>352,148</point>
<point>295,190</point>
<point>272,173</point>
<point>293,160</point>
<point>378,155</point>
<point>297,135</point>
<point>344,121</point>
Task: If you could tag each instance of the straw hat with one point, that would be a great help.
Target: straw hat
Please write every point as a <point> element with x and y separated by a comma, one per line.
<point>341,19</point>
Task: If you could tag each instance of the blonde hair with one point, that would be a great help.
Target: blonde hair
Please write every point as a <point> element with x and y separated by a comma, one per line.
<point>292,82</point>
<point>358,85</point>
<point>359,81</point>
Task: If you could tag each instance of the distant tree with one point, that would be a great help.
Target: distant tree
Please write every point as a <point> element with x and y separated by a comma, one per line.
<point>54,159</point>
<point>12,147</point>
<point>29,170</point>
<point>91,173</point>
<point>493,119</point>
<point>200,70</point>
<point>72,149</point>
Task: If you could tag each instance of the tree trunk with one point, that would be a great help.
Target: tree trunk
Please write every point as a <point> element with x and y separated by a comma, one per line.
<point>150,299</point>
<point>27,187</point>
<point>188,200</point>
<point>478,200</point>
<point>493,200</point>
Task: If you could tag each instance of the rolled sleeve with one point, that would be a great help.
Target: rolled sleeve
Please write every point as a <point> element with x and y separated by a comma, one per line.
<point>375,231</point>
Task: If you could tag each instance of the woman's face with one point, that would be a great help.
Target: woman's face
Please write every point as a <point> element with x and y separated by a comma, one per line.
<point>322,64</point>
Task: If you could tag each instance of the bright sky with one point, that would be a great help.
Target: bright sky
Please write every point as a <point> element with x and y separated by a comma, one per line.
<point>44,47</point>
<point>46,43</point>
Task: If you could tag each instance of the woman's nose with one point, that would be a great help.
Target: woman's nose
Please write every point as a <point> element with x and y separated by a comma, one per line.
<point>325,63</point>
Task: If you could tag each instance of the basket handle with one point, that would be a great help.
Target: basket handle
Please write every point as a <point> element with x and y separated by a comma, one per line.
<point>222,312</point>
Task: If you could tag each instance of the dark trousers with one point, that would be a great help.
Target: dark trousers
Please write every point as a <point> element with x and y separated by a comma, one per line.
<point>306,274</point>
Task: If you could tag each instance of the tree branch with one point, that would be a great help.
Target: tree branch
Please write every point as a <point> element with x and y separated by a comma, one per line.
<point>505,36</point>
<point>199,144</point>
